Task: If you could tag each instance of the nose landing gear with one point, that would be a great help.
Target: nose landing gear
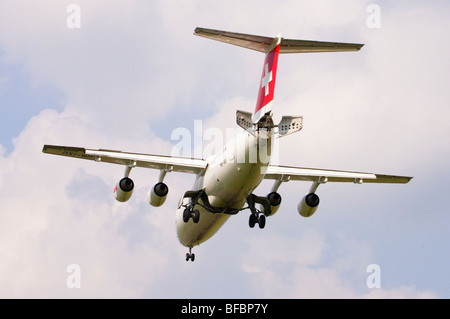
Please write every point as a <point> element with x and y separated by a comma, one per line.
<point>190,255</point>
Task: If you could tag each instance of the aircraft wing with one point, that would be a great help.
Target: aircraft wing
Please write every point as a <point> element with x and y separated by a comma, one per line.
<point>285,173</point>
<point>169,163</point>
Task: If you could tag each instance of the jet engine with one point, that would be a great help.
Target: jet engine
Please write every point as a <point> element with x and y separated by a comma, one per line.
<point>275,201</point>
<point>124,189</point>
<point>158,194</point>
<point>308,206</point>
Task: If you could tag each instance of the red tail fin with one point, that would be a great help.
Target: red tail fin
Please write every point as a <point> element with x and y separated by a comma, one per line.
<point>268,79</point>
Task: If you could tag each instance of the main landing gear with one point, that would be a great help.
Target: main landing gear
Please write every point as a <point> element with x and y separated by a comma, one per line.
<point>190,212</point>
<point>256,218</point>
<point>190,255</point>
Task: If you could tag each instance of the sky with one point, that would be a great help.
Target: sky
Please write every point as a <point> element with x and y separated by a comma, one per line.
<point>102,74</point>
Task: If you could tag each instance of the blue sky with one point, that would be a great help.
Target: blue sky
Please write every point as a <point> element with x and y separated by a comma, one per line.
<point>133,74</point>
<point>20,101</point>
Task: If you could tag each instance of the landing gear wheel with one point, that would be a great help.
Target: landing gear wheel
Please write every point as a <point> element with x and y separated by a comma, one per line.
<point>188,213</point>
<point>257,219</point>
<point>190,255</point>
<point>252,220</point>
<point>195,217</point>
<point>262,221</point>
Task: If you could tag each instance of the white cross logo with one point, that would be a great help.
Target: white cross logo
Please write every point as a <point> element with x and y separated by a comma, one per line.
<point>266,79</point>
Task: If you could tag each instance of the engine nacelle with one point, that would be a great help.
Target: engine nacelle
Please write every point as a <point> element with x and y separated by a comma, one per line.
<point>274,201</point>
<point>308,206</point>
<point>158,194</point>
<point>124,189</point>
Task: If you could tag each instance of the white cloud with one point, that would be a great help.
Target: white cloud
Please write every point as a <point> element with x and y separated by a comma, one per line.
<point>313,266</point>
<point>50,220</point>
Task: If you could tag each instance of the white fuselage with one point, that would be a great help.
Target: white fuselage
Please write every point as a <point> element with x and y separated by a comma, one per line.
<point>231,176</point>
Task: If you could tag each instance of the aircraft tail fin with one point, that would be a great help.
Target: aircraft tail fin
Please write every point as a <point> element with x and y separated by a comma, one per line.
<point>267,84</point>
<point>272,47</point>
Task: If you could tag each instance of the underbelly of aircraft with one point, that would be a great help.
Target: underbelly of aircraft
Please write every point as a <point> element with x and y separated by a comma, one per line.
<point>227,188</point>
<point>191,234</point>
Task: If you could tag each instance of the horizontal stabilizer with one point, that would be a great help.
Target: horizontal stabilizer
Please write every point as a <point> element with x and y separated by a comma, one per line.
<point>263,44</point>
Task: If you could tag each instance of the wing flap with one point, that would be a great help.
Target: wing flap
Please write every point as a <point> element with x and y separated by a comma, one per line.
<point>176,164</point>
<point>285,173</point>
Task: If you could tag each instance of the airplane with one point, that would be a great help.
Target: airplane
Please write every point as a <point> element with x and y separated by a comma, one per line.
<point>225,182</point>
